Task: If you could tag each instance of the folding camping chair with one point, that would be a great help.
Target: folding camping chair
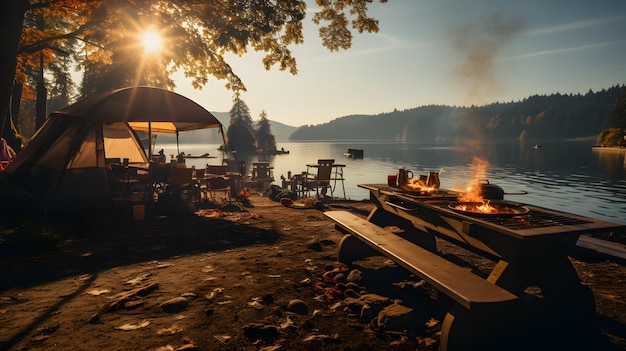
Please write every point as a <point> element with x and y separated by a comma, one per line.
<point>216,180</point>
<point>321,184</point>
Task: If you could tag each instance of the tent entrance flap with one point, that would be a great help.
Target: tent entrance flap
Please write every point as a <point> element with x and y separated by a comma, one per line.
<point>120,142</point>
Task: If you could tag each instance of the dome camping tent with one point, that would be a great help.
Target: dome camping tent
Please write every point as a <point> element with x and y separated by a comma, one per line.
<point>62,168</point>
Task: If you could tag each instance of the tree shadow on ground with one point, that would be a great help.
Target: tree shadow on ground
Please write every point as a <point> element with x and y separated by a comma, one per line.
<point>44,249</point>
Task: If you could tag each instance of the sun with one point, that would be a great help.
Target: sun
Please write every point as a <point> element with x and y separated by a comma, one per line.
<point>152,43</point>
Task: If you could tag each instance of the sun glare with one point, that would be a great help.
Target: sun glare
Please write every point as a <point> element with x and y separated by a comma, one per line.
<point>151,41</point>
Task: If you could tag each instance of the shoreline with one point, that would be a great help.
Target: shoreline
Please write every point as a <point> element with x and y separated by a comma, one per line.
<point>609,148</point>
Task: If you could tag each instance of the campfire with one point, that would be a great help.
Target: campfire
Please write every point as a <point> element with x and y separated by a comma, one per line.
<point>420,186</point>
<point>479,197</point>
<point>487,207</point>
<point>478,207</point>
<point>425,184</point>
<point>472,201</point>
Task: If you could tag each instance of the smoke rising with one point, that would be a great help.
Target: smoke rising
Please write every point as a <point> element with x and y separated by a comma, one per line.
<point>478,44</point>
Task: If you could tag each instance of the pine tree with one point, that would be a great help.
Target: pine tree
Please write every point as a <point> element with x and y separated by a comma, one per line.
<point>240,132</point>
<point>618,114</point>
<point>618,118</point>
<point>265,139</point>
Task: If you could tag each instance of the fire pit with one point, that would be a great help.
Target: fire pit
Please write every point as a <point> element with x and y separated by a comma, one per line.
<point>488,208</point>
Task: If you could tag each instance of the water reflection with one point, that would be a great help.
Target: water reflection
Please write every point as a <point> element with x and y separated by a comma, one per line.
<point>567,176</point>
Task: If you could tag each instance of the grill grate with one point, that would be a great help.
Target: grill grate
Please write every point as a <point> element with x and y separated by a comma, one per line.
<point>537,219</point>
<point>533,219</point>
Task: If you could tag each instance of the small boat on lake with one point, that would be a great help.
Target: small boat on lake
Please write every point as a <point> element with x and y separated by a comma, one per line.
<point>354,153</point>
<point>280,151</point>
<point>205,155</point>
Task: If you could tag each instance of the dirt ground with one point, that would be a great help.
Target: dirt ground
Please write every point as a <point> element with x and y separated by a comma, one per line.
<point>257,277</point>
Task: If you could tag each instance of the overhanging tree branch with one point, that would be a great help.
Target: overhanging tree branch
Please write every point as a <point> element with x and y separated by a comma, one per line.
<point>44,44</point>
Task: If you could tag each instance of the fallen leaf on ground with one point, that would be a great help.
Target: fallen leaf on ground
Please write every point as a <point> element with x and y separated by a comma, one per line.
<point>214,293</point>
<point>138,279</point>
<point>170,331</point>
<point>131,326</point>
<point>224,339</point>
<point>98,292</point>
<point>288,323</point>
<point>432,322</point>
<point>256,303</point>
<point>320,337</point>
<point>427,341</point>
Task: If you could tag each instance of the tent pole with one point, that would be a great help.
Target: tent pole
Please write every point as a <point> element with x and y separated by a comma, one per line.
<point>149,141</point>
<point>177,145</point>
<point>224,150</point>
<point>154,139</point>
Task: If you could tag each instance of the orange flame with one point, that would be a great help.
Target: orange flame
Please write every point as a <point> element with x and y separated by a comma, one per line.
<point>418,184</point>
<point>473,193</point>
<point>481,207</point>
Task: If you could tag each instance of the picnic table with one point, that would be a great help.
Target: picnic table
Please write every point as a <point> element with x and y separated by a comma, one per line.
<point>531,279</point>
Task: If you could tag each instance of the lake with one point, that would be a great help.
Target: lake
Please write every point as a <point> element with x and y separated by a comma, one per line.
<point>568,176</point>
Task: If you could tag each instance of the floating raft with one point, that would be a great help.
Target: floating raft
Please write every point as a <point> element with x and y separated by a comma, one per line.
<point>354,153</point>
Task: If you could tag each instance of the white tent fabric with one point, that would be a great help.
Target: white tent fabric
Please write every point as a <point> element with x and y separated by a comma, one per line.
<point>120,143</point>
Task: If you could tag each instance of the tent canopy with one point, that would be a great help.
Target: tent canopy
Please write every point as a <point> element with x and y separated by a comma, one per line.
<point>163,110</point>
<point>145,109</point>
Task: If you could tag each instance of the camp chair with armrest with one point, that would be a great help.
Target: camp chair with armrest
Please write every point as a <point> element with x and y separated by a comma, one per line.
<point>322,181</point>
<point>262,174</point>
<point>216,170</point>
<point>128,184</point>
<point>159,174</point>
<point>237,176</point>
<point>215,185</point>
<point>184,179</point>
<point>237,166</point>
<point>216,181</point>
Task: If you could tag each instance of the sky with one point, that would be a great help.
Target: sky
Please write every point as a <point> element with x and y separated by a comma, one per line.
<point>429,52</point>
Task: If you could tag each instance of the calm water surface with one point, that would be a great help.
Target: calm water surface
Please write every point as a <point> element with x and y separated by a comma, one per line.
<point>566,176</point>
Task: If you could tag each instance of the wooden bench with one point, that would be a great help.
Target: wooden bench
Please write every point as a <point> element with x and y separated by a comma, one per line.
<point>463,286</point>
<point>602,246</point>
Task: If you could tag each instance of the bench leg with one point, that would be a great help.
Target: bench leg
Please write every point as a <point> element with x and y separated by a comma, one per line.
<point>491,329</point>
<point>352,249</point>
<point>558,281</point>
<point>527,324</point>
<point>383,219</point>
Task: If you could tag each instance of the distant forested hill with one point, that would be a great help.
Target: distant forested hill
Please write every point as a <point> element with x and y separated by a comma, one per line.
<point>537,117</point>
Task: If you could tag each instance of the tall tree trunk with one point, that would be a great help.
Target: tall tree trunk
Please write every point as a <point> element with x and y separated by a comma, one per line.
<point>11,20</point>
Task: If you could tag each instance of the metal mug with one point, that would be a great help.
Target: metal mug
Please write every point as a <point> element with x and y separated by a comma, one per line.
<point>433,180</point>
<point>403,176</point>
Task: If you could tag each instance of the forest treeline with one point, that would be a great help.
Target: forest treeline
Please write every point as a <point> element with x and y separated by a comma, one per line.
<point>553,116</point>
